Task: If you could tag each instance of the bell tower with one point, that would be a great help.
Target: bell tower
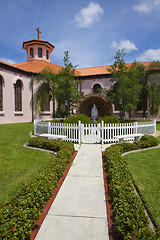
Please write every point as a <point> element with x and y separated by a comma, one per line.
<point>38,49</point>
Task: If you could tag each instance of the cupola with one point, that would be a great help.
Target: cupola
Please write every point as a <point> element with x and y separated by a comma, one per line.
<point>38,49</point>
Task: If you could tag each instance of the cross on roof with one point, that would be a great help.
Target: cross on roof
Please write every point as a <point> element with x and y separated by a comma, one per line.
<point>38,32</point>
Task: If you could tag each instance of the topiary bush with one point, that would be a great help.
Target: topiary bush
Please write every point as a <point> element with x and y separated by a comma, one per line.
<point>18,215</point>
<point>130,219</point>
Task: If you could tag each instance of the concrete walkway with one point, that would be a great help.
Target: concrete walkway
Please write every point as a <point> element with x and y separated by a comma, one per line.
<point>79,209</point>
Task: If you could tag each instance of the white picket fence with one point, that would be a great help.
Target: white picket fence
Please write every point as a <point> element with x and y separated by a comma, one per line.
<point>94,133</point>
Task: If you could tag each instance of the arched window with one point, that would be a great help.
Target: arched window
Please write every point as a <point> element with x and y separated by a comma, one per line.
<point>47,55</point>
<point>1,94</point>
<point>97,88</point>
<point>31,52</point>
<point>40,52</point>
<point>18,96</point>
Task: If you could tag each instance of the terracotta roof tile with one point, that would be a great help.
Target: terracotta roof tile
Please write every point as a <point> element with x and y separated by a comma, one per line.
<point>37,66</point>
<point>100,70</point>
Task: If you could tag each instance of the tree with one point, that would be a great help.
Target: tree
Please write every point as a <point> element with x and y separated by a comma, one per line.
<point>67,85</point>
<point>126,85</point>
<point>149,78</point>
<point>45,91</point>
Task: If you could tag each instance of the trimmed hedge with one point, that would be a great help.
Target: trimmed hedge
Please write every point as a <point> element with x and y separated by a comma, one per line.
<point>108,119</point>
<point>130,219</point>
<point>80,117</point>
<point>18,216</point>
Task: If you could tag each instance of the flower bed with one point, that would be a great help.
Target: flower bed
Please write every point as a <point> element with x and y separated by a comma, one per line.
<point>130,219</point>
<point>18,216</point>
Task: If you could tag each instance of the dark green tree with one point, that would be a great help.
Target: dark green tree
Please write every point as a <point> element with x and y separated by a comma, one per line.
<point>67,85</point>
<point>126,85</point>
<point>149,78</point>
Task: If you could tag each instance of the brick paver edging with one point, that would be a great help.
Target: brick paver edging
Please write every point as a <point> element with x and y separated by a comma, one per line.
<point>45,210</point>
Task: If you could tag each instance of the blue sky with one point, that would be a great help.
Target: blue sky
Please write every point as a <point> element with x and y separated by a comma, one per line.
<point>92,31</point>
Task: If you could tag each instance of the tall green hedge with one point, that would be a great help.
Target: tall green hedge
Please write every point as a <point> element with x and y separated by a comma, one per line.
<point>130,219</point>
<point>17,216</point>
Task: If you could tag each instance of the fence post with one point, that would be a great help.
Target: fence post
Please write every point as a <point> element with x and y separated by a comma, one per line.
<point>35,121</point>
<point>102,130</point>
<point>79,132</point>
<point>154,122</point>
<point>135,125</point>
<point>49,128</point>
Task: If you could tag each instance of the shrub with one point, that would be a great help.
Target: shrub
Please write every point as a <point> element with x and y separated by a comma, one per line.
<point>75,118</point>
<point>130,219</point>
<point>148,141</point>
<point>18,216</point>
<point>129,120</point>
<point>108,119</point>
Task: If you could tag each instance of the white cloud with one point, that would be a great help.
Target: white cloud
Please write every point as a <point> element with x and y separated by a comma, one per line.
<point>88,15</point>
<point>129,46</point>
<point>147,6</point>
<point>8,60</point>
<point>149,55</point>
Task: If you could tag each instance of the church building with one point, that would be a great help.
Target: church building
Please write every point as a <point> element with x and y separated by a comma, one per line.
<point>16,93</point>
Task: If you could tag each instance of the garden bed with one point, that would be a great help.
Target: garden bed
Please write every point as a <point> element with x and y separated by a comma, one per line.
<point>130,220</point>
<point>19,214</point>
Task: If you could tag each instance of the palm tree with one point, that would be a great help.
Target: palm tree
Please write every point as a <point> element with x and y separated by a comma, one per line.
<point>45,82</point>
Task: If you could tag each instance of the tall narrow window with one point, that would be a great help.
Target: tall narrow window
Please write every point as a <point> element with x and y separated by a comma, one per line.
<point>1,94</point>
<point>18,96</point>
<point>31,52</point>
<point>40,52</point>
<point>47,55</point>
<point>46,106</point>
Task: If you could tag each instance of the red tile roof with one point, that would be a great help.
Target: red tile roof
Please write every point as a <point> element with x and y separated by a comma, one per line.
<point>100,70</point>
<point>37,66</point>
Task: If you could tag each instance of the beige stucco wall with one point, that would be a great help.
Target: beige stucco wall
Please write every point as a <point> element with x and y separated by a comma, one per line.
<point>8,115</point>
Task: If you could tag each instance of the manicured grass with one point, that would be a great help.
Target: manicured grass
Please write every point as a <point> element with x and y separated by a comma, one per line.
<point>17,163</point>
<point>144,167</point>
<point>158,126</point>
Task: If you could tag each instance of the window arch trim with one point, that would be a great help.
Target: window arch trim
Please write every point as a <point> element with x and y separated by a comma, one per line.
<point>95,87</point>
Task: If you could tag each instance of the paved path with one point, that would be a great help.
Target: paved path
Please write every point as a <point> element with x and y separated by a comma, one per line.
<point>79,209</point>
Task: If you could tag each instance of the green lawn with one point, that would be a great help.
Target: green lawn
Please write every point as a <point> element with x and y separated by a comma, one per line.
<point>17,163</point>
<point>144,166</point>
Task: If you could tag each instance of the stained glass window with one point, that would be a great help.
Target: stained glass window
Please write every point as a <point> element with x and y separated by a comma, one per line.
<point>18,96</point>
